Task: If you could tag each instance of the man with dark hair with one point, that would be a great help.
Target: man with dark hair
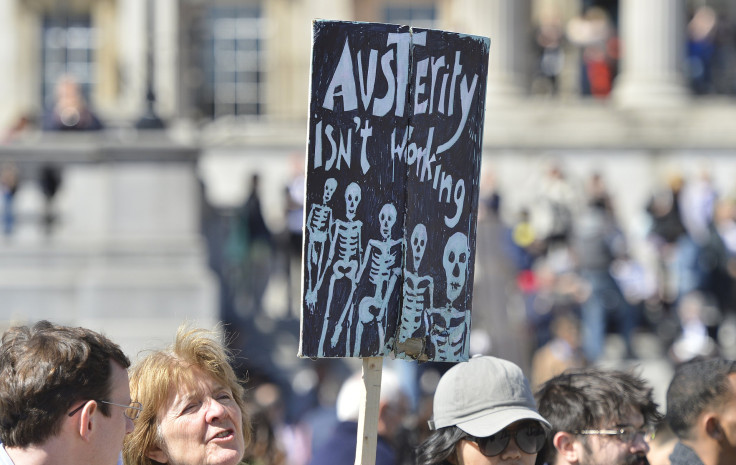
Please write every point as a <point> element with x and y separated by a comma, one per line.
<point>701,411</point>
<point>64,396</point>
<point>600,417</point>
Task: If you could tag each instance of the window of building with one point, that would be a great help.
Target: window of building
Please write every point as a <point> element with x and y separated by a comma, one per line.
<point>423,16</point>
<point>68,46</point>
<point>232,62</point>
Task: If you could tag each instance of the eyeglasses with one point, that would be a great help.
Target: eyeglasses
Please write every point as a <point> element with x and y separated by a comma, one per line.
<point>132,411</point>
<point>626,434</point>
<point>530,439</point>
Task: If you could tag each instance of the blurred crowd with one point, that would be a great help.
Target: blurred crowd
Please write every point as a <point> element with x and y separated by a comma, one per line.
<point>575,270</point>
<point>554,282</point>
<point>591,42</point>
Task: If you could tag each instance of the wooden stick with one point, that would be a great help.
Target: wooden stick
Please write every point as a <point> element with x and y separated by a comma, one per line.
<point>365,452</point>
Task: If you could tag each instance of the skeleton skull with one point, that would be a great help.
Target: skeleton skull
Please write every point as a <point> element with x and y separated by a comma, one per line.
<point>387,219</point>
<point>352,199</point>
<point>418,244</point>
<point>330,186</point>
<point>455,262</point>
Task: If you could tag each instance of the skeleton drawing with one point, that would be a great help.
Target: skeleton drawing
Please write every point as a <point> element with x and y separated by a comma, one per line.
<point>418,290</point>
<point>319,222</point>
<point>383,274</point>
<point>450,325</point>
<point>346,241</point>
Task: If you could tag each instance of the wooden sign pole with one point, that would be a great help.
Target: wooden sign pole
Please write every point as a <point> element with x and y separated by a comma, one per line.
<point>365,452</point>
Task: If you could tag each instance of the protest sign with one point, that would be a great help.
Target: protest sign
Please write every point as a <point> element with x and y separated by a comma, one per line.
<point>393,160</point>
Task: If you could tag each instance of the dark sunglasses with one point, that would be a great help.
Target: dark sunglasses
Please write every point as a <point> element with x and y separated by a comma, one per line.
<point>529,437</point>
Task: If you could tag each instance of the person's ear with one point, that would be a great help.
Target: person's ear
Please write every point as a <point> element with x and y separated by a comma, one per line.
<point>88,418</point>
<point>564,442</point>
<point>157,454</point>
<point>713,427</point>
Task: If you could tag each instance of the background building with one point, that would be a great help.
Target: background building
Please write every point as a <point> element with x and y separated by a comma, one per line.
<point>138,233</point>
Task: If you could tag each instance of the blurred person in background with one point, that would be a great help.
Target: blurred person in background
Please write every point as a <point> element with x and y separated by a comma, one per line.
<point>695,317</point>
<point>598,242</point>
<point>265,449</point>
<point>602,417</point>
<point>561,353</point>
<point>64,396</point>
<point>668,233</point>
<point>340,447</point>
<point>70,111</point>
<point>555,204</point>
<point>484,414</point>
<point>596,36</point>
<point>50,180</point>
<point>724,229</point>
<point>275,441</point>
<point>264,410</point>
<point>549,39</point>
<point>701,35</point>
<point>8,188</point>
<point>193,405</point>
<point>294,215</point>
<point>698,254</point>
<point>249,251</point>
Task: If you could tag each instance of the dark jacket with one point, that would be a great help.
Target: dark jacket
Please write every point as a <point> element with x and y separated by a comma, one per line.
<point>340,448</point>
<point>683,455</point>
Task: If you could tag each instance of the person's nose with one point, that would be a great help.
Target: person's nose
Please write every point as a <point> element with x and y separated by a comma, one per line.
<point>215,410</point>
<point>512,450</point>
<point>639,444</point>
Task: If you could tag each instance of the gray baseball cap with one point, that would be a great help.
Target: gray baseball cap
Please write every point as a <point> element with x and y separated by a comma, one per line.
<point>483,396</point>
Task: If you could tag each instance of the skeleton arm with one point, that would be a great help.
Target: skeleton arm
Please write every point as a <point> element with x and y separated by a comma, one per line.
<point>389,290</point>
<point>397,270</point>
<point>330,256</point>
<point>309,219</point>
<point>431,292</point>
<point>467,331</point>
<point>364,263</point>
<point>360,243</point>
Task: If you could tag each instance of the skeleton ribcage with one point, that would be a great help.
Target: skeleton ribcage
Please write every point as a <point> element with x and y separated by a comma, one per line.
<point>348,245</point>
<point>319,218</point>
<point>381,264</point>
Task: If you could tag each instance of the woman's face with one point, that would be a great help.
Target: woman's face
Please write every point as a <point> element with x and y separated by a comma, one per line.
<point>201,425</point>
<point>468,452</point>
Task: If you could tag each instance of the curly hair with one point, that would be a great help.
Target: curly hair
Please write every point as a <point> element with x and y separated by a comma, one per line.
<point>154,379</point>
<point>44,370</point>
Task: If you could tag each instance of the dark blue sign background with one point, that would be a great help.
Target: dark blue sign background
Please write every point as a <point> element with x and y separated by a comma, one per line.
<point>395,137</point>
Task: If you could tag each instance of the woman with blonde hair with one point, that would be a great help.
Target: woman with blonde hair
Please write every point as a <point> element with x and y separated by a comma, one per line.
<point>193,407</point>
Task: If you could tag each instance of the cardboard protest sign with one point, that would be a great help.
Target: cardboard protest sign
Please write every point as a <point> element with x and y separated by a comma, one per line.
<point>394,150</point>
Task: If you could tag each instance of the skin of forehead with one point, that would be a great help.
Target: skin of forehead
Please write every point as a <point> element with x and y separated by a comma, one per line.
<point>633,418</point>
<point>192,389</point>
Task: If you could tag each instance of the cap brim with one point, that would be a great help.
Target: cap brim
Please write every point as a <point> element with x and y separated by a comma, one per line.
<point>496,420</point>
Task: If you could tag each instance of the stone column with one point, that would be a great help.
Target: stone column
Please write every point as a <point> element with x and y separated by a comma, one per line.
<point>652,40</point>
<point>506,22</point>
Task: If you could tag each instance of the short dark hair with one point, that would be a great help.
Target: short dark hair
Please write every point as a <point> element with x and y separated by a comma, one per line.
<point>439,446</point>
<point>697,385</point>
<point>587,398</point>
<point>46,369</point>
